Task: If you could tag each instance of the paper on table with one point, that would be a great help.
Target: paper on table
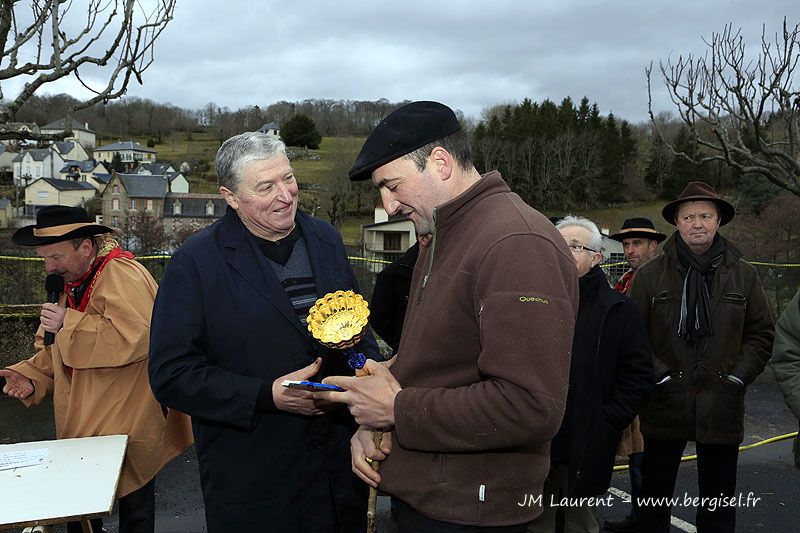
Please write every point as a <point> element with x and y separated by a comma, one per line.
<point>22,458</point>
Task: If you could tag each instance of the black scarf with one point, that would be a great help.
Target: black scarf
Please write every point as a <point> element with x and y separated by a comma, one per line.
<point>695,321</point>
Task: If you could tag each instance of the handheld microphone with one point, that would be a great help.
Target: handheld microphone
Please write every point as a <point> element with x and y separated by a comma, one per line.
<point>54,285</point>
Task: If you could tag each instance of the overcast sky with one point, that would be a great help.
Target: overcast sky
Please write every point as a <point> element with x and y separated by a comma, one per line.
<point>469,54</point>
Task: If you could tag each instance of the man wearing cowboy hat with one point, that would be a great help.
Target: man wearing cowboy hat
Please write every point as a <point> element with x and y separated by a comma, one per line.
<point>639,240</point>
<point>711,332</point>
<point>96,368</point>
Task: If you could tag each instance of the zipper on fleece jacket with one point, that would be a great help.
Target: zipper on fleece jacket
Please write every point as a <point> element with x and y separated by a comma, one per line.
<point>430,259</point>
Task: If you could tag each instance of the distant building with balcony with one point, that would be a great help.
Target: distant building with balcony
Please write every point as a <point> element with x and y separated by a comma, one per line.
<point>131,154</point>
<point>387,238</point>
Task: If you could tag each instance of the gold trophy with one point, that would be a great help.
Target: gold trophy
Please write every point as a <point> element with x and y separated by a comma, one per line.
<point>338,320</point>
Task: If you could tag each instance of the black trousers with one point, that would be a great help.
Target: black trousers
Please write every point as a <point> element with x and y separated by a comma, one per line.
<point>716,477</point>
<point>410,521</point>
<point>137,513</point>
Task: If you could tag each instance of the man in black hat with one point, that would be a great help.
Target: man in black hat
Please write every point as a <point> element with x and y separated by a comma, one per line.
<point>478,387</point>
<point>711,332</point>
<point>639,240</point>
<point>95,366</point>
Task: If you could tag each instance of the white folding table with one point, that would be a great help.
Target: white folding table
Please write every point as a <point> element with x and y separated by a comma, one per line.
<point>76,481</point>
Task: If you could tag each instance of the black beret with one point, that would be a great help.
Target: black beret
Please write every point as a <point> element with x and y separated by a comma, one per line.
<point>403,130</point>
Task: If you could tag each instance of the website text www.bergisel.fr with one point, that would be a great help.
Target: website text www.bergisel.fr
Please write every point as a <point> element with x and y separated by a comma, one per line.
<point>707,502</point>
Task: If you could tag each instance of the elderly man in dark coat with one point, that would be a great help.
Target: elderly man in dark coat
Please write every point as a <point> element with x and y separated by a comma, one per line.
<point>711,332</point>
<point>229,325</point>
<point>610,374</point>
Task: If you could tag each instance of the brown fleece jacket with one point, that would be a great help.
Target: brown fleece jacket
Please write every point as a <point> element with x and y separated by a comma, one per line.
<point>483,361</point>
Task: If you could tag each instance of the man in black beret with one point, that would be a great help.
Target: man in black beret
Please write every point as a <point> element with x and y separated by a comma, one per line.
<point>95,361</point>
<point>711,332</point>
<point>478,386</point>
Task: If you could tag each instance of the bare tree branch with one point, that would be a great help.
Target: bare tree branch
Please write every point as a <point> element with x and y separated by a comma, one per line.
<point>116,39</point>
<point>743,112</point>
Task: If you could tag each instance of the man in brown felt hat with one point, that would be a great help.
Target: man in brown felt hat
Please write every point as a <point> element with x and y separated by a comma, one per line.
<point>639,240</point>
<point>711,332</point>
<point>96,367</point>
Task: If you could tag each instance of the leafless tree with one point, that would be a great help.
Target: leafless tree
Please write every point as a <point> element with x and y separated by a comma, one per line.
<point>45,41</point>
<point>742,111</point>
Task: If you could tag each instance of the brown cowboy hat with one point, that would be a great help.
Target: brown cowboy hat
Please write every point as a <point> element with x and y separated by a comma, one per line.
<point>57,223</point>
<point>697,191</point>
<point>638,227</point>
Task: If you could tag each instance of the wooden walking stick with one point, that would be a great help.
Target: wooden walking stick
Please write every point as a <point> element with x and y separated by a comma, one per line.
<point>338,320</point>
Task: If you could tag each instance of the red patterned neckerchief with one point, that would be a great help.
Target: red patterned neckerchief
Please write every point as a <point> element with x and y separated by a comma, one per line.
<point>624,283</point>
<point>97,267</point>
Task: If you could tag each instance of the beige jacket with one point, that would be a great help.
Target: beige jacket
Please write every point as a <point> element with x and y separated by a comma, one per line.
<point>109,392</point>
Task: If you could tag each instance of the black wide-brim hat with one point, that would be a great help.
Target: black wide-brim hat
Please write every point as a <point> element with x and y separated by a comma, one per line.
<point>57,223</point>
<point>638,227</point>
<point>696,191</point>
<point>402,131</point>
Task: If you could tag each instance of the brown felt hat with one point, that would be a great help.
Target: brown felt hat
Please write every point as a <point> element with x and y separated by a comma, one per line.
<point>697,191</point>
<point>56,223</point>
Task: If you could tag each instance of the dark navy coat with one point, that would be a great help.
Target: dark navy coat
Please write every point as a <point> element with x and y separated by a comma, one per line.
<point>611,374</point>
<point>223,326</point>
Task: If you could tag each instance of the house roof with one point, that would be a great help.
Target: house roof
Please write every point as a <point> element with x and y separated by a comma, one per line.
<point>4,203</point>
<point>61,124</point>
<point>102,178</point>
<point>193,205</point>
<point>64,146</point>
<point>19,126</point>
<point>38,154</point>
<point>85,166</point>
<point>268,126</point>
<point>143,186</point>
<point>393,220</point>
<point>67,185</point>
<point>124,145</point>
<point>155,168</point>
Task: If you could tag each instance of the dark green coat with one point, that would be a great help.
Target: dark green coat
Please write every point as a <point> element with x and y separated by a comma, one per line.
<point>786,360</point>
<point>699,403</point>
<point>786,354</point>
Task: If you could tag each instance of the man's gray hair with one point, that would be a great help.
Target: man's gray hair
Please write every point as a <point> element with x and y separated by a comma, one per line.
<point>595,241</point>
<point>240,150</point>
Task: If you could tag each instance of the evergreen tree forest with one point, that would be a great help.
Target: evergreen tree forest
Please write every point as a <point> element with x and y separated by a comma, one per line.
<point>557,156</point>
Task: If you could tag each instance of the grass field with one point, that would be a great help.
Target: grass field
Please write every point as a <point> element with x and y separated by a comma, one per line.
<point>612,218</point>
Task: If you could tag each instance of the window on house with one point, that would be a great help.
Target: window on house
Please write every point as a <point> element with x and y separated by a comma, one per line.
<point>176,208</point>
<point>149,205</point>
<point>115,221</point>
<point>115,189</point>
<point>391,241</point>
<point>210,208</point>
<point>115,205</point>
<point>133,203</point>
